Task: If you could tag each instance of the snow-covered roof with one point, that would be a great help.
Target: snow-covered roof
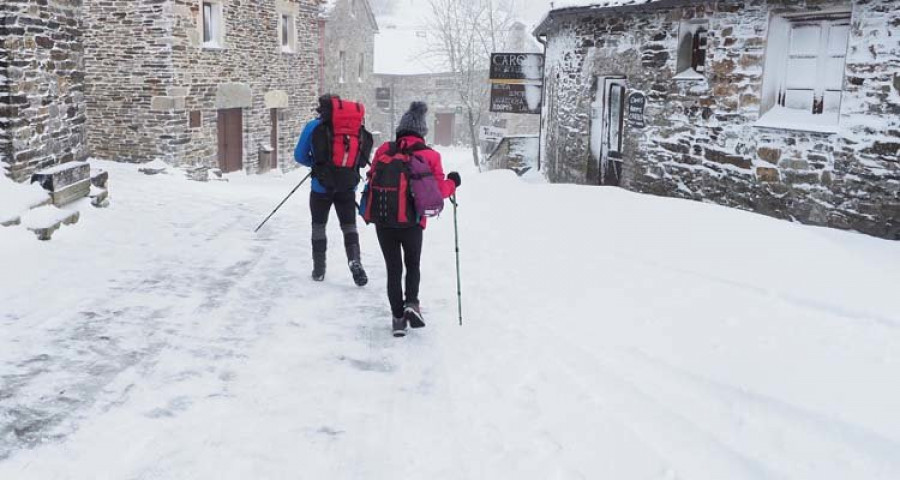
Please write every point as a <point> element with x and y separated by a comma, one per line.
<point>402,43</point>
<point>326,8</point>
<point>578,6</point>
<point>404,51</point>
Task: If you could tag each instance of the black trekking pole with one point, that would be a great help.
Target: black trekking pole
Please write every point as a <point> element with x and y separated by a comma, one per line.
<point>284,201</point>
<point>458,281</point>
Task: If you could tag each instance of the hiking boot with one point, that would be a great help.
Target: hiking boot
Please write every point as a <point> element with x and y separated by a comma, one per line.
<point>318,273</point>
<point>398,326</point>
<point>413,315</point>
<point>359,274</point>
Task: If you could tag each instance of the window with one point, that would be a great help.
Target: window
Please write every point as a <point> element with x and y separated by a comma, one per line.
<point>692,45</point>
<point>353,8</point>
<point>362,68</point>
<point>343,65</point>
<point>805,71</point>
<point>212,24</point>
<point>287,32</point>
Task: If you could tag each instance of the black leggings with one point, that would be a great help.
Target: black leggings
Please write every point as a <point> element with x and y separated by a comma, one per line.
<point>399,246</point>
<point>345,206</point>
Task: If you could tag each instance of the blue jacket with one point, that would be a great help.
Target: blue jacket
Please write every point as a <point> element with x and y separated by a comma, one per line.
<point>303,154</point>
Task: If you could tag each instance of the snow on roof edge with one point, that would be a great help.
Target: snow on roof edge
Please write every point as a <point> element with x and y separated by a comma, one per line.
<point>576,6</point>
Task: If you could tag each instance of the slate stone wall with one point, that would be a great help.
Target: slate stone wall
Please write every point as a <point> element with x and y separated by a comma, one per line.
<point>700,141</point>
<point>352,32</point>
<point>42,113</point>
<point>145,89</point>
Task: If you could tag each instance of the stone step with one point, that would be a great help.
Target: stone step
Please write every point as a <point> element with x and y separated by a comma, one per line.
<point>44,221</point>
<point>99,197</point>
<point>10,221</point>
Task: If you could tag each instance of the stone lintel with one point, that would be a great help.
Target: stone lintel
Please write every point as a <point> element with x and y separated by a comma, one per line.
<point>234,95</point>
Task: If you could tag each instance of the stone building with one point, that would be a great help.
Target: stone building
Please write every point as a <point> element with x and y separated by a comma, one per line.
<point>42,110</point>
<point>199,82</point>
<point>788,108</point>
<point>406,72</point>
<point>347,49</point>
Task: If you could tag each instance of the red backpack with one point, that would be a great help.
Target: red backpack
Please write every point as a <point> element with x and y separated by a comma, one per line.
<point>341,146</point>
<point>401,190</point>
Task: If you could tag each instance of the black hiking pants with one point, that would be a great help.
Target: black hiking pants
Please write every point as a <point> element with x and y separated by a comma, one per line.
<point>401,246</point>
<point>345,206</point>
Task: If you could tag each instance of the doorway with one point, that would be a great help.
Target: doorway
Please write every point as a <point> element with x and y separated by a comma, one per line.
<point>443,128</point>
<point>231,139</point>
<point>273,140</point>
<point>607,128</point>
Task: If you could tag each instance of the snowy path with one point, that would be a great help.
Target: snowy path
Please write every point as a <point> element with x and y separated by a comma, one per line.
<point>608,335</point>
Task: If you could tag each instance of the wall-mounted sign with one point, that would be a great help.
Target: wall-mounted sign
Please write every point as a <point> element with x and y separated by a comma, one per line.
<point>491,134</point>
<point>637,101</point>
<point>517,66</point>
<point>515,98</point>
<point>383,97</point>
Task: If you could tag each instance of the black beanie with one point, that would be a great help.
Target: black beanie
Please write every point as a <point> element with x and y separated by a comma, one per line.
<point>413,121</point>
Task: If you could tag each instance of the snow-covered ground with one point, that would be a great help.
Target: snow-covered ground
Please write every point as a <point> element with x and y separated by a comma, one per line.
<point>607,335</point>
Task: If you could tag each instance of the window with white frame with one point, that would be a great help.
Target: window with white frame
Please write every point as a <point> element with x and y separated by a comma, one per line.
<point>805,66</point>
<point>343,66</point>
<point>287,32</point>
<point>212,24</point>
<point>692,46</point>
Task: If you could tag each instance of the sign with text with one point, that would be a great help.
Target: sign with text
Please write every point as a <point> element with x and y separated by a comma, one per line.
<point>491,134</point>
<point>383,97</point>
<point>515,98</point>
<point>637,101</point>
<point>517,66</point>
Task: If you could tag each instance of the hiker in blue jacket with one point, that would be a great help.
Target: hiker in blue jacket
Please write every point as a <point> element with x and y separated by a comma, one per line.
<point>321,198</point>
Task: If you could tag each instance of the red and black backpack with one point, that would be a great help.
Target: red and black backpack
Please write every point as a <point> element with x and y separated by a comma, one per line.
<point>341,146</point>
<point>388,200</point>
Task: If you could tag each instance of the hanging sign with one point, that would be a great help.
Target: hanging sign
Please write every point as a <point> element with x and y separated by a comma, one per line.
<point>517,66</point>
<point>637,101</point>
<point>491,134</point>
<point>383,97</point>
<point>515,98</point>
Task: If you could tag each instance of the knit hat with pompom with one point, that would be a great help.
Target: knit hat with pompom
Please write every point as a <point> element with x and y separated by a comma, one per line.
<point>413,121</point>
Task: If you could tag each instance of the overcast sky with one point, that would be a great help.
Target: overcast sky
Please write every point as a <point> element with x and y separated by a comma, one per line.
<point>531,10</point>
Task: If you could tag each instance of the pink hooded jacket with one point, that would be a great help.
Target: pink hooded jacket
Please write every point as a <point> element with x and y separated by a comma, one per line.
<point>432,157</point>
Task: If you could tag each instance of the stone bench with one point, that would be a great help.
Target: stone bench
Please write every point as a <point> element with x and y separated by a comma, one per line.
<point>66,183</point>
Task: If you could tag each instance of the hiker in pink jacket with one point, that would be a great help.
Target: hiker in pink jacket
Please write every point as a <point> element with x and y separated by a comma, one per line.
<point>387,203</point>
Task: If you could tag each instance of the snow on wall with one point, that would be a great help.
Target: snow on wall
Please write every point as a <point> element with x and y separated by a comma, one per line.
<point>702,140</point>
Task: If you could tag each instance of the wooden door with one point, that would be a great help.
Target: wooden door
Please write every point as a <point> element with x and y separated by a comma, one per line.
<point>274,138</point>
<point>607,129</point>
<point>443,128</point>
<point>231,139</point>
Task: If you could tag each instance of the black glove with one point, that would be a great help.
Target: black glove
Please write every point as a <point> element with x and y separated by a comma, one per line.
<point>454,177</point>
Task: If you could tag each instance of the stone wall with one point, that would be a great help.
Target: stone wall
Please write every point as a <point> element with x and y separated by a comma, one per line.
<point>5,108</point>
<point>351,32</point>
<point>145,90</point>
<point>42,111</point>
<point>128,61</point>
<point>700,140</point>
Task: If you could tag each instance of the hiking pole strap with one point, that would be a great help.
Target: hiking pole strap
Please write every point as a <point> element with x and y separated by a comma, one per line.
<point>284,201</point>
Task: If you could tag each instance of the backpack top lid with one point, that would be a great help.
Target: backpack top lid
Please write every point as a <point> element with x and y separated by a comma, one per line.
<point>346,117</point>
